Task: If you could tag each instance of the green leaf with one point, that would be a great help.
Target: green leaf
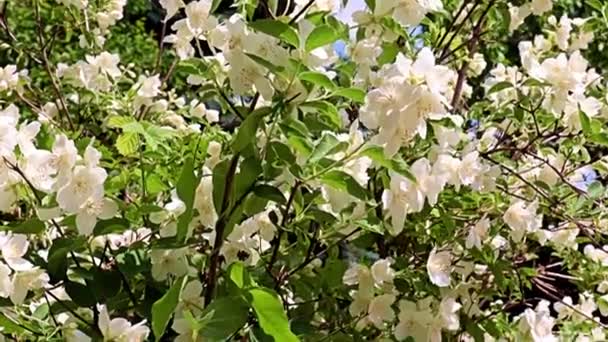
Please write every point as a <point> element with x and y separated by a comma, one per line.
<point>271,316</point>
<point>127,143</point>
<point>321,35</point>
<point>275,69</point>
<point>600,138</point>
<point>595,190</point>
<point>57,262</point>
<point>270,193</point>
<point>354,94</point>
<point>585,123</point>
<point>595,4</point>
<point>80,294</point>
<point>186,189</point>
<point>499,86</point>
<point>118,121</point>
<point>31,226</point>
<point>113,225</point>
<point>162,309</point>
<point>342,181</point>
<point>376,154</point>
<point>277,29</point>
<point>11,327</point>
<point>318,79</point>
<point>533,82</point>
<point>327,143</point>
<point>248,128</point>
<point>192,66</point>
<point>214,5</point>
<point>223,317</point>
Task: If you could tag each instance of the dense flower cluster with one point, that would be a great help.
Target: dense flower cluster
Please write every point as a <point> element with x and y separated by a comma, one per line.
<point>257,184</point>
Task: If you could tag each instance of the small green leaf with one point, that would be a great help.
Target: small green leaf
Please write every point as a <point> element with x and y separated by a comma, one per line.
<point>342,181</point>
<point>223,317</point>
<point>57,262</point>
<point>499,86</point>
<point>595,190</point>
<point>327,143</point>
<point>321,35</point>
<point>248,128</point>
<point>318,79</point>
<point>214,5</point>
<point>118,121</point>
<point>162,309</point>
<point>275,69</point>
<point>80,294</point>
<point>192,66</point>
<point>376,154</point>
<point>585,123</point>
<point>277,29</point>
<point>600,138</point>
<point>533,82</point>
<point>186,189</point>
<point>354,94</point>
<point>270,193</point>
<point>113,225</point>
<point>31,226</point>
<point>271,316</point>
<point>128,143</point>
<point>11,327</point>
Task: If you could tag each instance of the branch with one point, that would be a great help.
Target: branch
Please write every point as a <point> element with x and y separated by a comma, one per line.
<point>220,227</point>
<point>49,71</point>
<point>473,44</point>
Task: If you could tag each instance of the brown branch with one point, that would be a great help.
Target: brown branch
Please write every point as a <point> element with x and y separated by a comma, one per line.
<point>220,227</point>
<point>473,44</point>
<point>47,67</point>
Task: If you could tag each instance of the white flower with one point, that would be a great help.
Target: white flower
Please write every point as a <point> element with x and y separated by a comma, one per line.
<point>86,181</point>
<point>168,261</point>
<point>538,324</point>
<point>149,87</point>
<point>9,78</point>
<point>106,62</point>
<point>382,272</point>
<point>199,110</point>
<point>190,298</point>
<point>8,197</point>
<point>198,19</point>
<point>24,281</point>
<point>8,138</point>
<point>439,267</point>
<point>93,208</point>
<point>415,320</point>
<point>6,285</point>
<point>214,149</point>
<point>518,15</point>
<point>14,247</point>
<point>398,199</point>
<point>245,74</point>
<point>478,233</point>
<point>477,64</point>
<point>380,311</point>
<point>448,310</point>
<point>27,133</point>
<point>171,7</point>
<point>539,7</point>
<point>410,12</point>
<point>120,329</point>
<point>184,329</point>
<point>522,219</point>
<point>203,200</point>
